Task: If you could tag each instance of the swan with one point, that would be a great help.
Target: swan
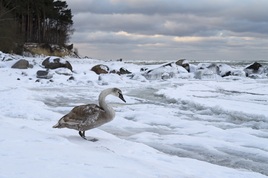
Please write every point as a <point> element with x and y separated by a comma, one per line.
<point>89,116</point>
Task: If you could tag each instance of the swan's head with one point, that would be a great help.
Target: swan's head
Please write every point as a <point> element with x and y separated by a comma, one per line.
<point>117,92</point>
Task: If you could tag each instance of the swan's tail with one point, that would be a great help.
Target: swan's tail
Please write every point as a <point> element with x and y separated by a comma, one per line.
<point>57,126</point>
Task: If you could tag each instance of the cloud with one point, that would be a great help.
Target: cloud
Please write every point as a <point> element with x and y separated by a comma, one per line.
<point>177,27</point>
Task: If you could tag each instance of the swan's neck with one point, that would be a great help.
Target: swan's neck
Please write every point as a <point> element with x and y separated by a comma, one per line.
<point>108,109</point>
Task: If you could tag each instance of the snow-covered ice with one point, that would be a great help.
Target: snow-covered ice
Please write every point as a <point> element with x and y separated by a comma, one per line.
<point>175,127</point>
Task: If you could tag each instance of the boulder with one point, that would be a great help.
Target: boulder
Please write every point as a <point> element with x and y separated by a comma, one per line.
<point>212,70</point>
<point>206,71</point>
<point>215,68</point>
<point>184,63</point>
<point>226,70</point>
<point>100,69</point>
<point>56,62</point>
<point>209,66</point>
<point>164,71</point>
<point>70,47</point>
<point>123,71</point>
<point>21,64</point>
<point>6,57</point>
<point>71,78</point>
<point>254,68</point>
<point>114,71</point>
<point>143,69</point>
<point>44,74</point>
<point>226,74</point>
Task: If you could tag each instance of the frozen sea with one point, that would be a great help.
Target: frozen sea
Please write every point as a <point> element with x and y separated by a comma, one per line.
<point>177,127</point>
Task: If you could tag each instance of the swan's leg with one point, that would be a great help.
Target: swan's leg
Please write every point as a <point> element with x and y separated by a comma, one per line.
<point>82,134</point>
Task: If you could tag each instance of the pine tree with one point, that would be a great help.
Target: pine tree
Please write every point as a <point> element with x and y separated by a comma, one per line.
<point>38,21</point>
<point>8,36</point>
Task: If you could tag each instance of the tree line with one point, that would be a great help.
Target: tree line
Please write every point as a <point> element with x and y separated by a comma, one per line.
<point>34,21</point>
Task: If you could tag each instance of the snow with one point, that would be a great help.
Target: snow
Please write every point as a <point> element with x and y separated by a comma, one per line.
<point>172,127</point>
<point>52,59</point>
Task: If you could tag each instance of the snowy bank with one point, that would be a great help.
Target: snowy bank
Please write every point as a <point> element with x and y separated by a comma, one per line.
<point>175,126</point>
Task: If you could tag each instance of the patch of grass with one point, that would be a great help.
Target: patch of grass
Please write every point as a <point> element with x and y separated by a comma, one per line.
<point>47,52</point>
<point>40,51</point>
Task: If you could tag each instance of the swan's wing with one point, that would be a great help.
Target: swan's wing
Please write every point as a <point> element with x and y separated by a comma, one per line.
<point>84,113</point>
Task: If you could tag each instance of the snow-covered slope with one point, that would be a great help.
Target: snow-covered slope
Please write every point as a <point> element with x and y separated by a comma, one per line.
<point>176,127</point>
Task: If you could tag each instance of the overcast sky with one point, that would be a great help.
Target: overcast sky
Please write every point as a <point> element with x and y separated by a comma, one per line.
<point>171,29</point>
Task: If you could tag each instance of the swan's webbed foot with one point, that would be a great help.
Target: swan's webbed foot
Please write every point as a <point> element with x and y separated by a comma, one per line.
<point>92,139</point>
<point>82,134</point>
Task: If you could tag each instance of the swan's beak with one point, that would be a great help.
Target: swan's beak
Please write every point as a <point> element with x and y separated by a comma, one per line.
<point>121,97</point>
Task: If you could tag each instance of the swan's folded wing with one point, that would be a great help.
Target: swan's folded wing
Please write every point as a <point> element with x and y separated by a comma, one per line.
<point>84,113</point>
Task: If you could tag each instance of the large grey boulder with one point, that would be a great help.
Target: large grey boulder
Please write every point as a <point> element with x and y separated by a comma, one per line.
<point>21,64</point>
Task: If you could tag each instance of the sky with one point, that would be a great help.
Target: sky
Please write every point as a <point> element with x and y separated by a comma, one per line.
<point>171,29</point>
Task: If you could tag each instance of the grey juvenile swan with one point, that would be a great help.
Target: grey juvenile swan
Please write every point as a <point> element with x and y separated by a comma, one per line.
<point>89,116</point>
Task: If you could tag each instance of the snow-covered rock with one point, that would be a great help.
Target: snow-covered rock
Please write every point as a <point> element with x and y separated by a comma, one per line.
<point>100,69</point>
<point>53,62</point>
<point>165,71</point>
<point>184,63</point>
